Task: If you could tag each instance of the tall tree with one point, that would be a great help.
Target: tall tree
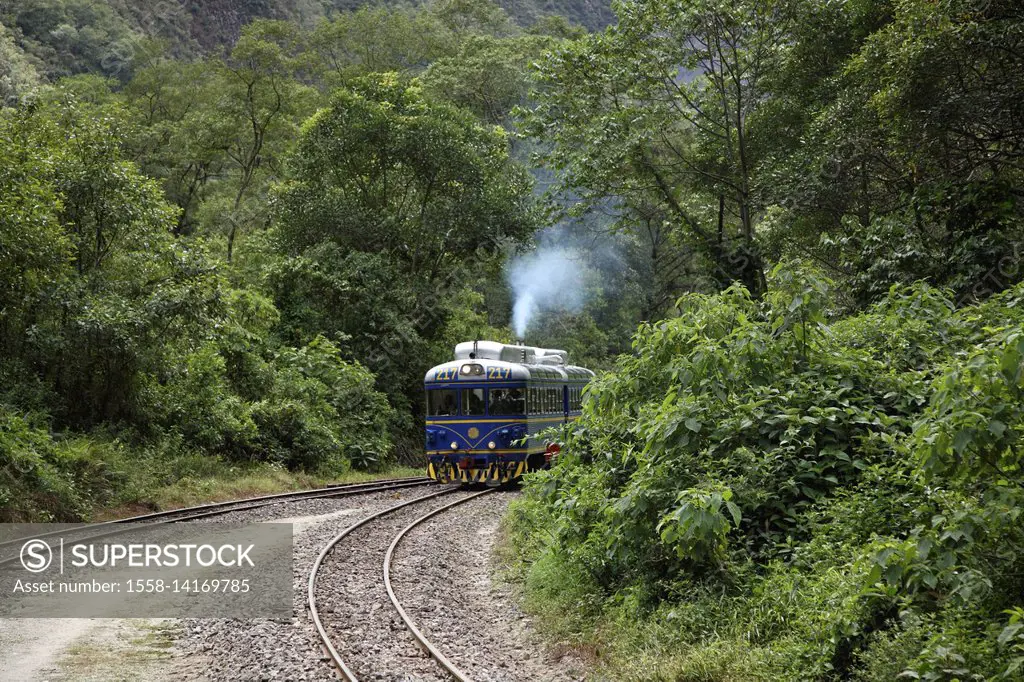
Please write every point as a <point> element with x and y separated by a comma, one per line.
<point>897,130</point>
<point>182,138</point>
<point>656,112</point>
<point>263,101</point>
<point>390,197</point>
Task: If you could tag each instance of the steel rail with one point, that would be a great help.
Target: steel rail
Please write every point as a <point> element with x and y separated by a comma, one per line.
<point>219,508</point>
<point>424,643</point>
<point>205,511</point>
<point>314,613</point>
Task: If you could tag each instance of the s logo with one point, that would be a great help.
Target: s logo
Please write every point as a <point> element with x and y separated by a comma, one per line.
<point>36,556</point>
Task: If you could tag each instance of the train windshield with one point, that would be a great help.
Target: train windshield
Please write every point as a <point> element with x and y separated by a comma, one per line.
<point>506,402</point>
<point>442,403</point>
<point>473,402</point>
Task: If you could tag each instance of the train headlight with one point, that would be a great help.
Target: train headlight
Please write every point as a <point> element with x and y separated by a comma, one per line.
<point>492,445</point>
<point>455,445</point>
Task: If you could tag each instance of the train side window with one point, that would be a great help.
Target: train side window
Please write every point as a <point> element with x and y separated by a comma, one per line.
<point>473,402</point>
<point>508,401</point>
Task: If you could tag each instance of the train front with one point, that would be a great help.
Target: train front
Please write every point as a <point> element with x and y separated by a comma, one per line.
<point>476,421</point>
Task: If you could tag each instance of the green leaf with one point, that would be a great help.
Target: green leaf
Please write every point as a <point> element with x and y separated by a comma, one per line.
<point>962,440</point>
<point>734,511</point>
<point>996,428</point>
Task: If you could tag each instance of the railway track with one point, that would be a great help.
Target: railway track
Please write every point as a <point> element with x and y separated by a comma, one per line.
<point>111,528</point>
<point>343,651</point>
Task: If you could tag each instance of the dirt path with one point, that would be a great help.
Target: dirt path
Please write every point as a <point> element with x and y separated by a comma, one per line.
<point>65,649</point>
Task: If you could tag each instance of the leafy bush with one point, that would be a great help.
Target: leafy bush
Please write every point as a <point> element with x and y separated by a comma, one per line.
<point>844,495</point>
<point>315,412</point>
<point>43,478</point>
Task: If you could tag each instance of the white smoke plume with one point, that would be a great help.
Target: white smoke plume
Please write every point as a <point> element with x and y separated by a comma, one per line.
<point>549,278</point>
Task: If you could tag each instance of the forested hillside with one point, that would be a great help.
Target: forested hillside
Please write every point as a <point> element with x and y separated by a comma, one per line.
<point>186,290</point>
<point>786,232</point>
<point>66,37</point>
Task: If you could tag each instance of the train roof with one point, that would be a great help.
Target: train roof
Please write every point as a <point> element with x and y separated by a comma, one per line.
<point>508,352</point>
<point>490,360</point>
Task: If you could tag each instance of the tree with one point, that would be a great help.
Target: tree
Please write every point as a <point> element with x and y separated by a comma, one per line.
<point>182,137</point>
<point>895,136</point>
<point>655,113</point>
<point>263,102</point>
<point>17,74</point>
<point>35,251</point>
<point>103,290</point>
<point>382,170</point>
<point>489,76</point>
<point>377,40</point>
<point>393,203</point>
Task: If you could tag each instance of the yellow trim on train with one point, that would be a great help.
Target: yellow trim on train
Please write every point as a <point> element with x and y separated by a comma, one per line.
<point>494,474</point>
<point>475,421</point>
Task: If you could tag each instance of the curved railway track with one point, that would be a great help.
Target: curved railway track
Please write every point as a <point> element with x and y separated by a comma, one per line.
<point>111,528</point>
<point>330,645</point>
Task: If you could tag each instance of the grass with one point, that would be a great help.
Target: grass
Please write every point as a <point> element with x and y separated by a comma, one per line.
<point>121,651</point>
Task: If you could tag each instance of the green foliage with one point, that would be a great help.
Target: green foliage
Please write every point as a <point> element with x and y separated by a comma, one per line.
<point>697,528</point>
<point>843,494</point>
<point>486,76</point>
<point>675,154</point>
<point>111,37</point>
<point>17,73</point>
<point>393,202</point>
<point>134,243</point>
<point>378,40</point>
<point>109,322</point>
<point>40,473</point>
<point>879,112</point>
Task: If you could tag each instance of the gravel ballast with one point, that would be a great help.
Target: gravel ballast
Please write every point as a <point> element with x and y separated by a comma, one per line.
<point>442,574</point>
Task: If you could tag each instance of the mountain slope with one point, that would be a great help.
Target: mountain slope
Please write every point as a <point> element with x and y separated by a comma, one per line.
<point>56,38</point>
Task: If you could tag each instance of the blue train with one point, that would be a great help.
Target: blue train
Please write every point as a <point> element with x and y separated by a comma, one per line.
<point>485,408</point>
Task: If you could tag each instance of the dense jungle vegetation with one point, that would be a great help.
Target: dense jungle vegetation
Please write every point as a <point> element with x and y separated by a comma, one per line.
<point>233,236</point>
